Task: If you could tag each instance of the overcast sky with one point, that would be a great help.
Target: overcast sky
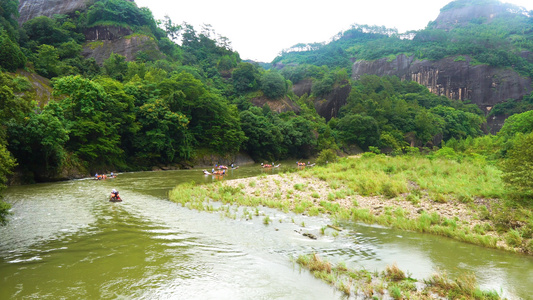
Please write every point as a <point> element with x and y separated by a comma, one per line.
<point>260,30</point>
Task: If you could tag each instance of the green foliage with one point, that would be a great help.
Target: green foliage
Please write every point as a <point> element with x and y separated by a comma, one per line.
<point>273,85</point>
<point>47,61</point>
<point>119,13</point>
<point>404,112</point>
<point>358,129</point>
<point>246,78</point>
<point>519,123</point>
<point>38,142</point>
<point>518,167</point>
<point>8,18</point>
<point>115,66</point>
<point>4,212</point>
<point>497,43</point>
<point>44,30</point>
<point>163,135</point>
<point>11,57</point>
<point>7,163</point>
<point>87,108</point>
<point>324,86</point>
<point>326,156</point>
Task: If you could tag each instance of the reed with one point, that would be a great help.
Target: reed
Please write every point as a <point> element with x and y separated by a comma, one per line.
<point>393,281</point>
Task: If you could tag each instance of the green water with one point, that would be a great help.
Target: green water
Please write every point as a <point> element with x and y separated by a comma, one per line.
<point>66,241</point>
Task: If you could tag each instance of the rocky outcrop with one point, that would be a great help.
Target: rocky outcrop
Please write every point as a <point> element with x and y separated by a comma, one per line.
<point>454,78</point>
<point>127,46</point>
<point>102,33</point>
<point>41,87</point>
<point>277,105</point>
<point>463,15</point>
<point>329,105</point>
<point>29,9</point>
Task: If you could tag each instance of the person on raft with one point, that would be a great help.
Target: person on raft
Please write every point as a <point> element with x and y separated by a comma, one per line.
<point>114,194</point>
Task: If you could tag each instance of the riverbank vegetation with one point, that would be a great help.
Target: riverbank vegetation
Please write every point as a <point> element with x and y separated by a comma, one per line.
<point>392,282</point>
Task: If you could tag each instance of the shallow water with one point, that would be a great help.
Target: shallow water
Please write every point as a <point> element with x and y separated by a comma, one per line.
<point>65,240</point>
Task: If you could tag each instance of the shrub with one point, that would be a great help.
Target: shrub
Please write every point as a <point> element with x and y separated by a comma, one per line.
<point>513,238</point>
<point>326,156</point>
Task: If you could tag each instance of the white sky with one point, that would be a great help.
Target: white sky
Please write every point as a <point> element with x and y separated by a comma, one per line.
<point>261,30</point>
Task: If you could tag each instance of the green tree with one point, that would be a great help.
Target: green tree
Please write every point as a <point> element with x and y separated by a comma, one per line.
<point>11,57</point>
<point>519,123</point>
<point>38,143</point>
<point>7,163</point>
<point>360,130</point>
<point>44,30</point>
<point>93,129</point>
<point>8,15</point>
<point>214,122</point>
<point>245,78</point>
<point>518,166</point>
<point>163,136</point>
<point>47,61</point>
<point>116,66</point>
<point>273,85</point>
<point>264,138</point>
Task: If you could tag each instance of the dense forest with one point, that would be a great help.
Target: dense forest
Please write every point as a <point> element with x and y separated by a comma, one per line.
<point>194,95</point>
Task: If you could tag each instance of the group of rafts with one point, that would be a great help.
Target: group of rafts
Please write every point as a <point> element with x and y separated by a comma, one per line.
<point>220,170</point>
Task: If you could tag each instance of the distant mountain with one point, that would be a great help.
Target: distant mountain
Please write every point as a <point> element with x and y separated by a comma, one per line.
<point>476,50</point>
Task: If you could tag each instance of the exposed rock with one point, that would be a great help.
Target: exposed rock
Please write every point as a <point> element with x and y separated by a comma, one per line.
<point>328,106</point>
<point>310,235</point>
<point>461,16</point>
<point>495,123</point>
<point>102,33</point>
<point>277,105</point>
<point>29,9</point>
<point>302,87</point>
<point>459,80</point>
<point>40,86</point>
<point>127,46</point>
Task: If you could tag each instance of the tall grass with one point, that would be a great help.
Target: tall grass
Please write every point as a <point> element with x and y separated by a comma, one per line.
<point>393,280</point>
<point>390,176</point>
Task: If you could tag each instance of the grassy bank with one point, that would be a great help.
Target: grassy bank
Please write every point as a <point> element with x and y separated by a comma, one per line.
<point>464,200</point>
<point>392,282</point>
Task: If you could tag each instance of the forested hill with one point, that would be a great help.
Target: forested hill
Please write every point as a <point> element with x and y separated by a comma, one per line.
<point>102,86</point>
<point>476,50</point>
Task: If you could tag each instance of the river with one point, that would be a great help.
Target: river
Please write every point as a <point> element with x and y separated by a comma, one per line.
<point>66,241</point>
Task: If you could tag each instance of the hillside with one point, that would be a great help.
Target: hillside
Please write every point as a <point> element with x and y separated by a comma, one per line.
<point>479,51</point>
<point>94,86</point>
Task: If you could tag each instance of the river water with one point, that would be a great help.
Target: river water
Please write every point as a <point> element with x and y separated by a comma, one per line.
<point>67,241</point>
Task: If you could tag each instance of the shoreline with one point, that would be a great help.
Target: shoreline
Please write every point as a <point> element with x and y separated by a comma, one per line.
<point>313,192</point>
<point>379,206</point>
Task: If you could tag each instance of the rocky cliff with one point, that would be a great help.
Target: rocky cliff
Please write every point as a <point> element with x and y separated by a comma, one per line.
<point>454,78</point>
<point>101,40</point>
<point>465,13</point>
<point>29,9</point>
<point>329,105</point>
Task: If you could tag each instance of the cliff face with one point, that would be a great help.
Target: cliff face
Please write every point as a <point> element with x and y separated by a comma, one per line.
<point>328,106</point>
<point>467,13</point>
<point>29,9</point>
<point>101,40</point>
<point>127,46</point>
<point>482,84</point>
